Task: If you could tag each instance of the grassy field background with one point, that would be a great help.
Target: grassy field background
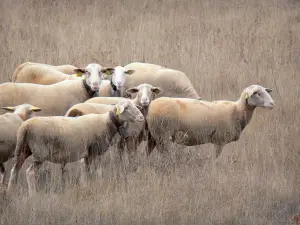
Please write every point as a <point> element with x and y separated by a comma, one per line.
<point>223,47</point>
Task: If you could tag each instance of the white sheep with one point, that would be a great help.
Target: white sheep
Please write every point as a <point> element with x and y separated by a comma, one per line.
<point>68,139</point>
<point>57,98</point>
<point>194,122</point>
<point>145,94</point>
<point>9,125</point>
<point>67,69</point>
<point>42,74</point>
<point>174,83</point>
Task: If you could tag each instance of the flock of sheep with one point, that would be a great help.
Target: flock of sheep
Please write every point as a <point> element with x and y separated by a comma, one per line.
<point>63,114</point>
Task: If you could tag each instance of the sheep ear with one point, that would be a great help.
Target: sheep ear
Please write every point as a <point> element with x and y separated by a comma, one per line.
<point>108,71</point>
<point>35,109</point>
<point>129,72</point>
<point>248,94</point>
<point>132,90</point>
<point>156,90</point>
<point>79,72</point>
<point>120,109</point>
<point>269,90</point>
<point>11,109</point>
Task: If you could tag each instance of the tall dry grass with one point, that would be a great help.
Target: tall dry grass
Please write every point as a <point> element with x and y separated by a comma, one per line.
<point>223,46</point>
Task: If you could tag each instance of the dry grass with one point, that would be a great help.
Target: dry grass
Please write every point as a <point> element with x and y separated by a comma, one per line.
<point>223,46</point>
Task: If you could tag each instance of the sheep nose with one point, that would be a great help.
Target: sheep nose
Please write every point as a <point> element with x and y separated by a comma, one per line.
<point>95,84</point>
<point>144,101</point>
<point>272,103</point>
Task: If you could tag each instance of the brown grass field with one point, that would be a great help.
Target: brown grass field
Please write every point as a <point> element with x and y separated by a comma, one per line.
<point>223,47</point>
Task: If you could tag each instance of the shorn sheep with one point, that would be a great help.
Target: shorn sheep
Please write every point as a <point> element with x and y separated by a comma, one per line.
<point>145,93</point>
<point>174,83</point>
<point>194,122</point>
<point>57,98</point>
<point>42,74</point>
<point>9,125</point>
<point>67,69</point>
<point>67,139</point>
<point>113,87</point>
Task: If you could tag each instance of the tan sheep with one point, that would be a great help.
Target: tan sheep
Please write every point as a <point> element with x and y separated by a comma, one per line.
<point>144,67</point>
<point>41,74</point>
<point>174,83</point>
<point>66,139</point>
<point>67,69</point>
<point>57,98</point>
<point>81,109</point>
<point>193,122</point>
<point>145,94</point>
<point>9,125</point>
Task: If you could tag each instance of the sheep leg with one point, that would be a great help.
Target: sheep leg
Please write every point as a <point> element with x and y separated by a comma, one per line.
<point>163,148</point>
<point>218,150</point>
<point>132,150</point>
<point>2,171</point>
<point>85,165</point>
<point>20,159</point>
<point>121,147</point>
<point>31,176</point>
<point>63,176</point>
<point>150,144</point>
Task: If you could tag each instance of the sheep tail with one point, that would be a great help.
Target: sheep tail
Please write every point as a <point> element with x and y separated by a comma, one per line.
<point>22,150</point>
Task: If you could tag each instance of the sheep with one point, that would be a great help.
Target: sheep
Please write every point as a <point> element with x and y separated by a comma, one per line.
<point>57,98</point>
<point>9,125</point>
<point>42,74</point>
<point>113,87</point>
<point>192,122</point>
<point>68,139</point>
<point>174,83</point>
<point>145,94</point>
<point>81,109</point>
<point>67,69</point>
<point>145,67</point>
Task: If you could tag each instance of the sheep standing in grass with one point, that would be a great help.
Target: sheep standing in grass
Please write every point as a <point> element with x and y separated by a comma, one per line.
<point>42,74</point>
<point>145,93</point>
<point>57,98</point>
<point>67,139</point>
<point>67,69</point>
<point>9,125</point>
<point>193,122</point>
<point>173,82</point>
<point>114,86</point>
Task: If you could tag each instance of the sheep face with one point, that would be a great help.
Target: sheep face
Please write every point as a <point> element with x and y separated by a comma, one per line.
<point>128,112</point>
<point>25,111</point>
<point>258,96</point>
<point>94,74</point>
<point>119,76</point>
<point>145,93</point>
